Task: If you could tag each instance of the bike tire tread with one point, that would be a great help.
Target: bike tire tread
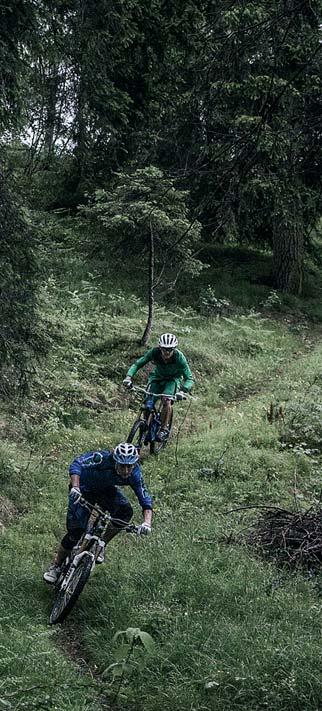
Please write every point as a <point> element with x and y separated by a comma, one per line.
<point>57,616</point>
<point>138,427</point>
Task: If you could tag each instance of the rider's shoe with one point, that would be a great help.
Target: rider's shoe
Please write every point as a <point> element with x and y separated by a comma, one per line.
<point>163,434</point>
<point>101,556</point>
<point>52,574</point>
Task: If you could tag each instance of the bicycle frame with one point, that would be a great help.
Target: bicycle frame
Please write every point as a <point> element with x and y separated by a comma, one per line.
<point>80,563</point>
<point>148,426</point>
<point>98,530</point>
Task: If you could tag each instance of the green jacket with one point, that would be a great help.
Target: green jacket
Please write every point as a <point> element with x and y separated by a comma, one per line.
<point>177,367</point>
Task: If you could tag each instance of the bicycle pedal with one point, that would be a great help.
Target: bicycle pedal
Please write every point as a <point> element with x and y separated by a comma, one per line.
<point>162,436</point>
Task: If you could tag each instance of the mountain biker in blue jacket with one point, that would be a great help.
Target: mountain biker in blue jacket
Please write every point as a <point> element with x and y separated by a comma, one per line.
<point>97,477</point>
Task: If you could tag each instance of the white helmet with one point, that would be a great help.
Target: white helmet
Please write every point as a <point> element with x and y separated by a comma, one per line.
<point>168,340</point>
<point>125,453</point>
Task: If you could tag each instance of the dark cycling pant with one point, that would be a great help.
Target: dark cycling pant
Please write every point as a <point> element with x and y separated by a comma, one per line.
<point>112,500</point>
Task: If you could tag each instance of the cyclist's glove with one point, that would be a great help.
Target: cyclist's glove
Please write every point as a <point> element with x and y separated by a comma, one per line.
<point>144,529</point>
<point>127,382</point>
<point>181,395</point>
<point>75,494</point>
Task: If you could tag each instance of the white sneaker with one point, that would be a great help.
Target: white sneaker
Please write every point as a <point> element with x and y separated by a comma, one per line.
<point>52,574</point>
<point>101,556</point>
<point>162,435</point>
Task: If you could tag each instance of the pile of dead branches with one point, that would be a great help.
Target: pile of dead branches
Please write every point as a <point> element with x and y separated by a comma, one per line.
<point>293,538</point>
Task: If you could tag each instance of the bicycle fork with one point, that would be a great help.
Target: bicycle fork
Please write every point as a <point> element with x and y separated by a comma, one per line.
<point>148,419</point>
<point>78,557</point>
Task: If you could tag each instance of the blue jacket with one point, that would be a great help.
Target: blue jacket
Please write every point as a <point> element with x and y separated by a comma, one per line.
<point>97,472</point>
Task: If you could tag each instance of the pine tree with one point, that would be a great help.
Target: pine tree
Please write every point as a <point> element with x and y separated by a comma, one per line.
<point>19,335</point>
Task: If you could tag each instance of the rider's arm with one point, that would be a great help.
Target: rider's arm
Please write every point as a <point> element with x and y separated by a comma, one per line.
<point>147,516</point>
<point>187,374</point>
<point>137,484</point>
<point>140,362</point>
<point>75,480</point>
<point>84,460</point>
<point>75,471</point>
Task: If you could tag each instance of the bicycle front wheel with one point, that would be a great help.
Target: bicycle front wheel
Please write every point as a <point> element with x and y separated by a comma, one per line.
<point>136,433</point>
<point>65,599</point>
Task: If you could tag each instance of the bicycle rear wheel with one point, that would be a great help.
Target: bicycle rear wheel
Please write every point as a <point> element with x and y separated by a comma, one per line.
<point>65,599</point>
<point>136,433</point>
<point>155,446</point>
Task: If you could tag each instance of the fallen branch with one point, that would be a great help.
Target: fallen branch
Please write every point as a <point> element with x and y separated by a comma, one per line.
<point>294,538</point>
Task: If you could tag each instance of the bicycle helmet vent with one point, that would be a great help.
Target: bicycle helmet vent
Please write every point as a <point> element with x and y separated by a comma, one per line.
<point>125,453</point>
<point>168,340</point>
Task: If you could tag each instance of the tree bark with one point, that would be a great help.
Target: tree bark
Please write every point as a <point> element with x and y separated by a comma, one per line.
<point>147,331</point>
<point>52,83</point>
<point>288,253</point>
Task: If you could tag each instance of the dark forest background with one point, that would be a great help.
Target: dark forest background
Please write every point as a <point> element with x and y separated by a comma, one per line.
<point>165,127</point>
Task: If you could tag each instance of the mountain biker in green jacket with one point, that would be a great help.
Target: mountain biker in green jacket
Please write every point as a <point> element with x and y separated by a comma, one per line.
<point>171,376</point>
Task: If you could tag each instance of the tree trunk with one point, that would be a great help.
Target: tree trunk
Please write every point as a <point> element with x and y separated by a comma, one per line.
<point>80,131</point>
<point>288,252</point>
<point>52,81</point>
<point>147,331</point>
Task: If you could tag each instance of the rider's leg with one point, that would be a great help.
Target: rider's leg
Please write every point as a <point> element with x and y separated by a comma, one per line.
<point>166,413</point>
<point>169,388</point>
<point>153,387</point>
<point>74,532</point>
<point>113,529</point>
<point>76,523</point>
<point>116,503</point>
<point>61,554</point>
<point>110,532</point>
<point>52,573</point>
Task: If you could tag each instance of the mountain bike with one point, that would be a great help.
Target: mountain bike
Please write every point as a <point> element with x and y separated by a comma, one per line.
<point>78,566</point>
<point>147,425</point>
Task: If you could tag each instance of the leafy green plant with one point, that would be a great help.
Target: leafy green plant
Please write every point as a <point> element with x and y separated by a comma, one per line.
<point>212,305</point>
<point>303,426</point>
<point>121,304</point>
<point>133,645</point>
<point>272,301</point>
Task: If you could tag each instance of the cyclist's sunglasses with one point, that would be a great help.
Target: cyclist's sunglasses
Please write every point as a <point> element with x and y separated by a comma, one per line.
<point>126,469</point>
<point>167,350</point>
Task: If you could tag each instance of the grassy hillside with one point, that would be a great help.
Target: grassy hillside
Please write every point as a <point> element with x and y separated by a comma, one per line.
<point>230,629</point>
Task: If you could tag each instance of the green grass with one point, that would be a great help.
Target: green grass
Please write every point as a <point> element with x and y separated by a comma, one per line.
<point>231,630</point>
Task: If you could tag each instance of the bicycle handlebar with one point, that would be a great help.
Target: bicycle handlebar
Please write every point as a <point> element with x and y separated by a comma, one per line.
<point>128,527</point>
<point>137,388</point>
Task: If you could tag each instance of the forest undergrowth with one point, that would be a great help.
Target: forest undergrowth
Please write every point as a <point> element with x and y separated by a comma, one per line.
<point>229,629</point>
